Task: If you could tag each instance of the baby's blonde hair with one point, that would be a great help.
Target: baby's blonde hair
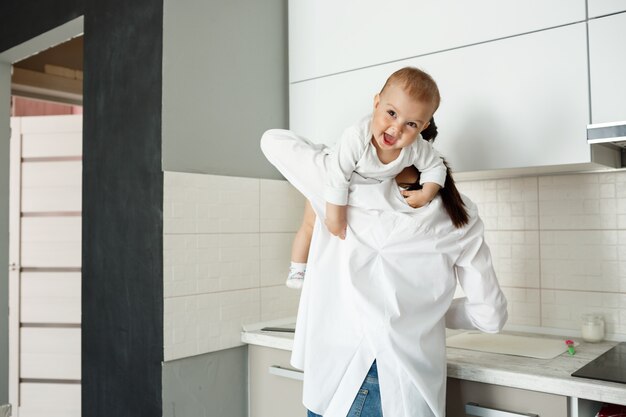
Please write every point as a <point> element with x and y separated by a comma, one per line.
<point>418,84</point>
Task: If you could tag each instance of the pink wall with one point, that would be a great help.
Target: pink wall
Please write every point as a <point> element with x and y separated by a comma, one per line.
<point>21,106</point>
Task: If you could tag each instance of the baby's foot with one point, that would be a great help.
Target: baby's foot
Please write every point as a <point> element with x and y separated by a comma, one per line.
<point>295,279</point>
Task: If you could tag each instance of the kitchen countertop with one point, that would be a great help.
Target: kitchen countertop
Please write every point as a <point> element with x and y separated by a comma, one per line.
<point>545,375</point>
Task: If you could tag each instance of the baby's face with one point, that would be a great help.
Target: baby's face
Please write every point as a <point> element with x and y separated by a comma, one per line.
<point>398,119</point>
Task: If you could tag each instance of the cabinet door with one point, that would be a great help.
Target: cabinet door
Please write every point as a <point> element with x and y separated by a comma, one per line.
<point>516,102</point>
<point>607,66</point>
<point>275,387</point>
<point>603,7</point>
<point>327,37</point>
<point>513,400</point>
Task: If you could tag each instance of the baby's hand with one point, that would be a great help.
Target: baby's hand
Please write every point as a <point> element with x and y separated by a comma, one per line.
<point>336,220</point>
<point>419,198</point>
<point>416,198</point>
<point>336,227</point>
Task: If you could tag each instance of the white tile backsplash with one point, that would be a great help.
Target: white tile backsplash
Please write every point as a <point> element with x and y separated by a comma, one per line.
<point>199,203</point>
<point>278,302</point>
<point>275,257</point>
<point>202,323</point>
<point>515,257</point>
<point>563,309</point>
<point>281,207</point>
<point>505,204</point>
<point>581,201</point>
<point>226,250</point>
<point>581,260</point>
<point>558,245</point>
<point>524,306</point>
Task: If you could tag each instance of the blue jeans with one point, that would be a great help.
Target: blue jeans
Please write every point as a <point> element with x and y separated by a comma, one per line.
<point>367,401</point>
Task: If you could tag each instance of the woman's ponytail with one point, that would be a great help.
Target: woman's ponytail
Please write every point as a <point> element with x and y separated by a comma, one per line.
<point>450,196</point>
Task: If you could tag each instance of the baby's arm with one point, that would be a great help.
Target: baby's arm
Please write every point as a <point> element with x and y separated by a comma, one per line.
<point>342,163</point>
<point>419,198</point>
<point>336,220</point>
<point>432,178</point>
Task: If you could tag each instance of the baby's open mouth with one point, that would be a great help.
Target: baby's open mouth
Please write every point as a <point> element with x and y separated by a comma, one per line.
<point>388,139</point>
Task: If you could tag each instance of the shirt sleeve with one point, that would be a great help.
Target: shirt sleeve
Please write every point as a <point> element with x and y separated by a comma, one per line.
<point>299,160</point>
<point>429,163</point>
<point>484,307</point>
<point>341,165</point>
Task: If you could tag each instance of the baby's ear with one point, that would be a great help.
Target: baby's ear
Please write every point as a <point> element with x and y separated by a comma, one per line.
<point>376,100</point>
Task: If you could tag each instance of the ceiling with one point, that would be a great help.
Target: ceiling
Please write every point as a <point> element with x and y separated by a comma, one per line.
<point>54,74</point>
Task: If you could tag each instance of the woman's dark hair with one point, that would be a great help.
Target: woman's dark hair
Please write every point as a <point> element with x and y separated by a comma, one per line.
<point>450,196</point>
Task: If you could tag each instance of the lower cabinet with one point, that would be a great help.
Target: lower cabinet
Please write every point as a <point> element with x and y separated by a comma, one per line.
<point>497,401</point>
<point>275,386</point>
<point>275,390</point>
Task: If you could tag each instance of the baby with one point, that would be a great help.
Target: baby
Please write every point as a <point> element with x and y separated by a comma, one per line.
<point>379,146</point>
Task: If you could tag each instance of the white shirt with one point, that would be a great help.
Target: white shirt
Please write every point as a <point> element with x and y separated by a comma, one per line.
<point>385,292</point>
<point>354,152</point>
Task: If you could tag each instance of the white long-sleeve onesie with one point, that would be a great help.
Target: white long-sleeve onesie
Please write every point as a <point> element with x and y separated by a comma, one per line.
<point>355,152</point>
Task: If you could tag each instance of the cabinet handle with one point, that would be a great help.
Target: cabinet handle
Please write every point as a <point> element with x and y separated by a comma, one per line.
<point>474,409</point>
<point>286,373</point>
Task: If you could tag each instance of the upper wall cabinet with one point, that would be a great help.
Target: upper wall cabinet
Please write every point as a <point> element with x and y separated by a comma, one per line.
<point>603,7</point>
<point>328,37</point>
<point>516,102</point>
<point>607,66</point>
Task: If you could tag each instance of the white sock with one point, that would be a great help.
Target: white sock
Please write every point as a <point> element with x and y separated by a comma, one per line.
<point>296,275</point>
<point>297,267</point>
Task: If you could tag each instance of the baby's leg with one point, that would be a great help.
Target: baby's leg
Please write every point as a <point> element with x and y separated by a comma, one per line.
<point>302,241</point>
<point>300,248</point>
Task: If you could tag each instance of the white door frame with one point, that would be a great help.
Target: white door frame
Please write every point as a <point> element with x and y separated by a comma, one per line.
<point>33,46</point>
<point>15,193</point>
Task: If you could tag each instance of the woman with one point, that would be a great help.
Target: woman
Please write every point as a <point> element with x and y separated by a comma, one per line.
<point>378,302</point>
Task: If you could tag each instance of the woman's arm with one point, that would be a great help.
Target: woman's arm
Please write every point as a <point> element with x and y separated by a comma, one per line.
<point>484,307</point>
<point>300,161</point>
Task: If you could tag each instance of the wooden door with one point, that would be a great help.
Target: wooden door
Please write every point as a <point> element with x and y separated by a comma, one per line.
<point>45,266</point>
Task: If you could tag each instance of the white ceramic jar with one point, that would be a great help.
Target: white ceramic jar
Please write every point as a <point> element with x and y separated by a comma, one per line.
<point>592,327</point>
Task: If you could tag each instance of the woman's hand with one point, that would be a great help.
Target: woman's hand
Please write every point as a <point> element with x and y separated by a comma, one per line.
<point>336,220</point>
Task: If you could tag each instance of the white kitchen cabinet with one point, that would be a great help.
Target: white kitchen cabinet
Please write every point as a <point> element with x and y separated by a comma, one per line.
<point>275,387</point>
<point>520,102</point>
<point>506,399</point>
<point>328,37</point>
<point>603,7</point>
<point>607,66</point>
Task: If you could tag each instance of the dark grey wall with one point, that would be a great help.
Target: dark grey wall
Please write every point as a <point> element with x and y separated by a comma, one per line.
<point>122,299</point>
<point>225,81</point>
<point>210,385</point>
<point>23,20</point>
<point>122,341</point>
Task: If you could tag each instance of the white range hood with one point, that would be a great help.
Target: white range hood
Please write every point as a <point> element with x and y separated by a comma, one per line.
<point>614,132</point>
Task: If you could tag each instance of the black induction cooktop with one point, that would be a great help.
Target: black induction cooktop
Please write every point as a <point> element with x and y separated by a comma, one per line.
<point>610,366</point>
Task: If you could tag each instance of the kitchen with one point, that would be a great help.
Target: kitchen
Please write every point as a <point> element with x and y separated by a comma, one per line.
<point>556,234</point>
